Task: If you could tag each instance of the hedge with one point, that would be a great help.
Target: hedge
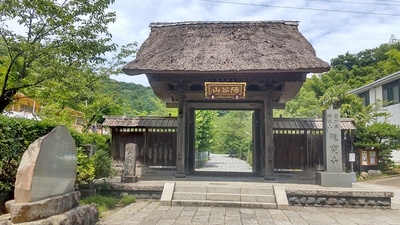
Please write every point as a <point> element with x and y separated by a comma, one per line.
<point>16,134</point>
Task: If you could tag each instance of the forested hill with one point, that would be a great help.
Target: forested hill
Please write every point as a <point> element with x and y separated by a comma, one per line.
<point>347,72</point>
<point>138,97</point>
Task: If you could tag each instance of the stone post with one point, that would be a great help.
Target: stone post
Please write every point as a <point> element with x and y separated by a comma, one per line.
<point>333,175</point>
<point>129,174</point>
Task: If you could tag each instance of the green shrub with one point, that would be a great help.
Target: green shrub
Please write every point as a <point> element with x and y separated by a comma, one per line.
<point>127,200</point>
<point>101,161</point>
<point>16,134</point>
<point>102,164</point>
<point>85,168</point>
<point>108,202</point>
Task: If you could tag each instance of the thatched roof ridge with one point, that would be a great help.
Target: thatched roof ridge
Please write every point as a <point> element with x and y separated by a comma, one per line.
<point>222,23</point>
<point>255,46</point>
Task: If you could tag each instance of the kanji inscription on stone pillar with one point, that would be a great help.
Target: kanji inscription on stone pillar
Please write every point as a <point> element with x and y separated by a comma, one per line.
<point>333,141</point>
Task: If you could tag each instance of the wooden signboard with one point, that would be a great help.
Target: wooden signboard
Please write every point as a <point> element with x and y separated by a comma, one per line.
<point>368,157</point>
<point>225,90</point>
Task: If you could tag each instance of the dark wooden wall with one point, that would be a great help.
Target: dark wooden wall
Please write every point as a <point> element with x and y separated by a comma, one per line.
<point>294,149</point>
<point>298,149</point>
<point>157,146</point>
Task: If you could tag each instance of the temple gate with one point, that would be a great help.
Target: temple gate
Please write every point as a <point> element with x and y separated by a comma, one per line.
<point>257,65</point>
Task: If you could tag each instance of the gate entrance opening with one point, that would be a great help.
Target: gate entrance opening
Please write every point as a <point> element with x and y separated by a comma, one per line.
<point>223,141</point>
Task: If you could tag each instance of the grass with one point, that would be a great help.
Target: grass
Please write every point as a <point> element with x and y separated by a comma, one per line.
<point>105,203</point>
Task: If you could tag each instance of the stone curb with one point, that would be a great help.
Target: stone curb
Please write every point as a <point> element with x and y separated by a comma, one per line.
<point>167,194</point>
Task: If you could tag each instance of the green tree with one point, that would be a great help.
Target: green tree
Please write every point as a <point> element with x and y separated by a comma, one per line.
<point>392,63</point>
<point>90,93</point>
<point>204,130</point>
<point>162,110</point>
<point>383,136</point>
<point>51,40</point>
<point>233,133</point>
<point>304,105</point>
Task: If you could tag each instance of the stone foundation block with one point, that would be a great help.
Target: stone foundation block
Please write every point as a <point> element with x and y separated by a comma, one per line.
<point>31,211</point>
<point>327,179</point>
<point>81,215</point>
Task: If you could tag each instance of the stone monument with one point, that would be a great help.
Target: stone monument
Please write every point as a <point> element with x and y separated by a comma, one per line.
<point>44,187</point>
<point>129,174</point>
<point>333,175</point>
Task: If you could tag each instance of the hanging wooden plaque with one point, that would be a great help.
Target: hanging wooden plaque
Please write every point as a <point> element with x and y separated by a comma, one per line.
<point>225,90</point>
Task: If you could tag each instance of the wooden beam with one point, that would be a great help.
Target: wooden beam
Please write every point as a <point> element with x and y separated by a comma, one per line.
<point>278,105</point>
<point>224,105</point>
<point>170,105</point>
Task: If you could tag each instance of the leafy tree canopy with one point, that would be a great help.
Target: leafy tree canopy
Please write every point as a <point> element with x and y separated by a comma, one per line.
<point>50,39</point>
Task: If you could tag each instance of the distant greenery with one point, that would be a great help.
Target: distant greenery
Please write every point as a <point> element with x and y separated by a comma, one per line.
<point>233,132</point>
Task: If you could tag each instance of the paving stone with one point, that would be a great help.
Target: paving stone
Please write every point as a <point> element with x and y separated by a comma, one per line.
<point>298,221</point>
<point>249,221</point>
<point>279,217</point>
<point>232,222</point>
<point>283,223</point>
<point>184,219</point>
<point>165,222</point>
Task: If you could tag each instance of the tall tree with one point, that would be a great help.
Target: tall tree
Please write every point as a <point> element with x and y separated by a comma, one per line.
<point>204,130</point>
<point>50,40</point>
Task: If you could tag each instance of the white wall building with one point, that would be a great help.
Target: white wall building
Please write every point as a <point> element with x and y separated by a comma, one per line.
<point>386,89</point>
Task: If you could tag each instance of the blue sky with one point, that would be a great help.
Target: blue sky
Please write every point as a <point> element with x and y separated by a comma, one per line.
<point>333,27</point>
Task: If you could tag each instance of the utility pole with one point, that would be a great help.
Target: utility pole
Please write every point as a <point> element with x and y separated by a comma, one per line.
<point>393,39</point>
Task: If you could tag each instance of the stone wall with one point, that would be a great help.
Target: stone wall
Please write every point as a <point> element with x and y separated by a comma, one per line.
<point>345,199</point>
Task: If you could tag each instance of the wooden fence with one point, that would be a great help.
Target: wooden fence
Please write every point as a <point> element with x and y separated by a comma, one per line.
<point>157,146</point>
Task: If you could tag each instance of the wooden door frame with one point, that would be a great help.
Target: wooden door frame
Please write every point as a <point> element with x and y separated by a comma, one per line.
<point>257,131</point>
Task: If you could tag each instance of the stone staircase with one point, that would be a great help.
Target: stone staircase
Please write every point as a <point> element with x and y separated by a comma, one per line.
<point>222,194</point>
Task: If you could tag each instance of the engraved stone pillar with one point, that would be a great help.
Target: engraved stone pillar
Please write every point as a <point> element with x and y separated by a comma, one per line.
<point>129,174</point>
<point>333,175</point>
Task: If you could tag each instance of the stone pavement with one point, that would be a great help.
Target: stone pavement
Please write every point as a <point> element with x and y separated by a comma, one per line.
<point>152,213</point>
<point>224,163</point>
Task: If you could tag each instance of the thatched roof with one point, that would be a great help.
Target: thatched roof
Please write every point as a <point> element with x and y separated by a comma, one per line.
<point>262,46</point>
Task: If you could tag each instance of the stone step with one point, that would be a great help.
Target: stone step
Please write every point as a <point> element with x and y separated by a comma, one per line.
<point>223,197</point>
<point>226,195</point>
<point>268,190</point>
<point>202,203</point>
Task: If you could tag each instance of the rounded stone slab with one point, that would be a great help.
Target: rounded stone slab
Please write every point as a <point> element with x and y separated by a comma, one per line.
<point>47,168</point>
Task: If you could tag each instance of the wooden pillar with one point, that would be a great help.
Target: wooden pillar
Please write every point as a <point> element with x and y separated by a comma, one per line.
<point>191,159</point>
<point>261,154</point>
<point>269,142</point>
<point>181,135</point>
